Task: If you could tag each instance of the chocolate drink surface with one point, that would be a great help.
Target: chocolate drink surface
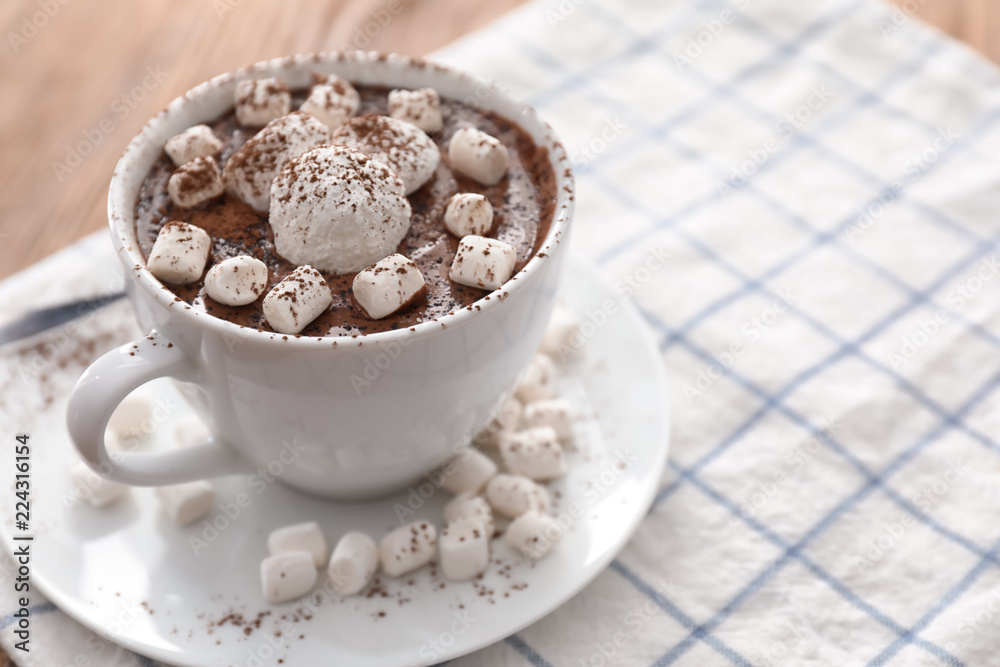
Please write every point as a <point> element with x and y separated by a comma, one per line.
<point>523,203</point>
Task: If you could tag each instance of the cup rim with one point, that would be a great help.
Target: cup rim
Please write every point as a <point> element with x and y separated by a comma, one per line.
<point>121,207</point>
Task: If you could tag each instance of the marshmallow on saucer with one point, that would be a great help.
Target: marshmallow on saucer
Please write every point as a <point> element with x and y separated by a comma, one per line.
<point>287,576</point>
<point>506,420</point>
<point>190,432</point>
<point>237,281</point>
<point>93,488</point>
<point>186,503</point>
<point>535,453</point>
<point>407,548</point>
<point>478,155</point>
<point>465,549</point>
<point>483,262</point>
<point>513,495</point>
<point>196,182</point>
<point>338,210</point>
<point>537,381</point>
<point>300,537</point>
<point>562,337</point>
<point>389,285</point>
<point>534,534</point>
<point>468,472</point>
<point>260,101</point>
<point>468,505</point>
<point>297,300</point>
<point>196,141</point>
<point>179,253</point>
<point>333,100</point>
<point>404,148</point>
<point>552,412</point>
<point>353,563</point>
<point>130,416</point>
<point>468,213</point>
<point>421,107</point>
<point>250,170</point>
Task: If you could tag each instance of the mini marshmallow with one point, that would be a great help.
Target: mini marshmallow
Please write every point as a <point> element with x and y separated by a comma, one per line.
<point>190,432</point>
<point>420,107</point>
<point>130,416</point>
<point>468,213</point>
<point>297,300</point>
<point>186,503</point>
<point>467,505</point>
<point>287,576</point>
<point>353,563</point>
<point>404,148</point>
<point>468,472</point>
<point>237,281</point>
<point>389,285</point>
<point>535,453</point>
<point>478,155</point>
<point>333,100</point>
<point>555,413</point>
<point>482,262</point>
<point>534,534</point>
<point>196,141</point>
<point>300,537</point>
<point>337,209</point>
<point>407,548</point>
<point>513,495</point>
<point>196,182</point>
<point>250,170</point>
<point>562,337</point>
<point>537,381</point>
<point>465,549</point>
<point>179,253</point>
<point>507,419</point>
<point>93,488</point>
<point>260,101</point>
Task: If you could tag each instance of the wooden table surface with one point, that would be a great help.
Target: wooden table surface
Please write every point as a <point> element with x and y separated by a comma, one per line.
<point>73,90</point>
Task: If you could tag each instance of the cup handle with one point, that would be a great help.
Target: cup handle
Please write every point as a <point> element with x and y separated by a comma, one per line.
<point>103,386</point>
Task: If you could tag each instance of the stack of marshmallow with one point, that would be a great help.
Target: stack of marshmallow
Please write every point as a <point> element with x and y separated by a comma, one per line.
<point>349,210</point>
<point>528,432</point>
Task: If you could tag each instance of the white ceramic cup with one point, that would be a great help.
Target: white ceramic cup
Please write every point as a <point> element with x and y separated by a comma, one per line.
<point>347,418</point>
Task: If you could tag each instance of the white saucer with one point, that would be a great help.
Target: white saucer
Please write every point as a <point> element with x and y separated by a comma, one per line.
<point>130,575</point>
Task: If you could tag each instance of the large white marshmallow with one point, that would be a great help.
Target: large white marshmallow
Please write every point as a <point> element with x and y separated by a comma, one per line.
<point>507,419</point>
<point>468,213</point>
<point>478,155</point>
<point>132,417</point>
<point>297,300</point>
<point>555,413</point>
<point>287,576</point>
<point>260,101</point>
<point>179,253</point>
<point>186,503</point>
<point>535,453</point>
<point>93,488</point>
<point>353,563</point>
<point>333,100</point>
<point>190,432</point>
<point>483,262</point>
<point>389,285</point>
<point>407,548</point>
<point>338,210</point>
<point>404,148</point>
<point>196,182</point>
<point>562,339</point>
<point>465,549</point>
<point>513,495</point>
<point>196,141</point>
<point>468,472</point>
<point>305,536</point>
<point>421,107</point>
<point>467,505</point>
<point>537,381</point>
<point>534,534</point>
<point>237,281</point>
<point>252,168</point>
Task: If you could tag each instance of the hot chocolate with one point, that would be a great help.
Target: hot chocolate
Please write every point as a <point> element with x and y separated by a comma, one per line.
<point>523,203</point>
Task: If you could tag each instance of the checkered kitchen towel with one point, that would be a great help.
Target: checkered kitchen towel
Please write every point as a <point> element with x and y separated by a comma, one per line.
<point>825,178</point>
